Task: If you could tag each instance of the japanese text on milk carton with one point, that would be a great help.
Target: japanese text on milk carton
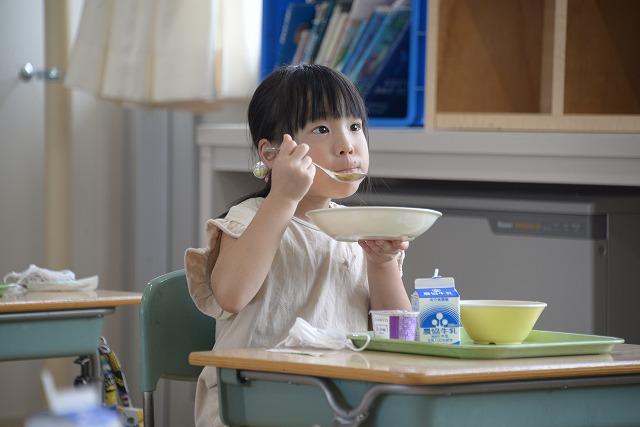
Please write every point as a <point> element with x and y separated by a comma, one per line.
<point>438,302</point>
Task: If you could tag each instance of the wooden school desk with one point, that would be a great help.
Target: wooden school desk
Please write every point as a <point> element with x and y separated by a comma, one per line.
<point>36,325</point>
<point>371,388</point>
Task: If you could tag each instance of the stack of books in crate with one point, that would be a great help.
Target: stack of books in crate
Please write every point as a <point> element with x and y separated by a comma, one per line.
<point>368,40</point>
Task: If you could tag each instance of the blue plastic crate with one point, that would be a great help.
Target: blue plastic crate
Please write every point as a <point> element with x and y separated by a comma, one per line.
<point>403,77</point>
<point>272,19</point>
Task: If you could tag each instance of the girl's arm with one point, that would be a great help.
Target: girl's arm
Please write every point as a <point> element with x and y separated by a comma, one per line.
<point>244,263</point>
<point>386,289</point>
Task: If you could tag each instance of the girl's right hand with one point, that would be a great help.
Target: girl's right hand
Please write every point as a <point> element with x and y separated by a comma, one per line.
<point>292,172</point>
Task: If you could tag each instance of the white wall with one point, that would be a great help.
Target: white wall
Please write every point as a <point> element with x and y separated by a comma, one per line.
<point>99,131</point>
<point>134,198</point>
<point>21,174</point>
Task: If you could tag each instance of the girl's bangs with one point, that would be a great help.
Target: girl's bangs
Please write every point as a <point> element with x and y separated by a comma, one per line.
<point>321,95</point>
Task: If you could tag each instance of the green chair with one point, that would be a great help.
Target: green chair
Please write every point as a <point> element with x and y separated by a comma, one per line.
<point>171,328</point>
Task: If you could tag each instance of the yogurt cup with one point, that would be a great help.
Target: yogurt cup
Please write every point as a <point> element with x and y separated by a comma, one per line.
<point>394,324</point>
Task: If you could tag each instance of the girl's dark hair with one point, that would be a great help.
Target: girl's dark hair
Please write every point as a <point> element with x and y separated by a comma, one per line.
<point>294,95</point>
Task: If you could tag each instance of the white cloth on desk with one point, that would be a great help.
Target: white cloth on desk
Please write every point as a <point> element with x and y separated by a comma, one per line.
<point>37,278</point>
<point>312,276</point>
<point>85,284</point>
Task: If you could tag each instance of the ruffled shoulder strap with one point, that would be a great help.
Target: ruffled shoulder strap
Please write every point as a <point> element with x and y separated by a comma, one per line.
<point>199,262</point>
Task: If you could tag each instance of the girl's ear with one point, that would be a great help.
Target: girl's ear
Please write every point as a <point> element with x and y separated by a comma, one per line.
<point>266,156</point>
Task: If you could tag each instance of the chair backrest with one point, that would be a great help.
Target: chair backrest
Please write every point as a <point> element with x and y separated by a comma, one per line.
<point>171,328</point>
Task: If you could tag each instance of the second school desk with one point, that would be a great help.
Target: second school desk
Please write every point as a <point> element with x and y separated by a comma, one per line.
<point>36,325</point>
<point>261,388</point>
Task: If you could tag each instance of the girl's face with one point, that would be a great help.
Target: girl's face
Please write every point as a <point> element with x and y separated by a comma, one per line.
<point>337,144</point>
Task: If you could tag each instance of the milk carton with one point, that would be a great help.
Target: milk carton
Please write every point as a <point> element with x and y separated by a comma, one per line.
<point>438,302</point>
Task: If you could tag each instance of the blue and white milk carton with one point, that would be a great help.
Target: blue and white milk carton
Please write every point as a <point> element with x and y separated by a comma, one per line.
<point>438,302</point>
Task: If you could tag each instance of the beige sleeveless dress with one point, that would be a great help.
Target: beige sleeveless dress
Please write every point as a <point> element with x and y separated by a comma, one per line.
<point>312,276</point>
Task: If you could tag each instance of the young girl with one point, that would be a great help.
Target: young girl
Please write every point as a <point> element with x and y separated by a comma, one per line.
<point>266,263</point>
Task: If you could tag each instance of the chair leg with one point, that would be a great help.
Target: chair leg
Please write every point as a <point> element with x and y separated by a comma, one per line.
<point>147,409</point>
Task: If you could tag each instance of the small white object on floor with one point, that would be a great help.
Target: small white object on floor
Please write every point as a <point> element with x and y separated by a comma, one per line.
<point>63,401</point>
<point>73,407</point>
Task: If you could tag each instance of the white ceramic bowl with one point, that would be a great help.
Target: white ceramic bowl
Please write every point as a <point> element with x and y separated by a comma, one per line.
<point>350,224</point>
<point>499,321</point>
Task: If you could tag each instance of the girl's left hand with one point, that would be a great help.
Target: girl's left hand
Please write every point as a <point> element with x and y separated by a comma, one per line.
<point>382,251</point>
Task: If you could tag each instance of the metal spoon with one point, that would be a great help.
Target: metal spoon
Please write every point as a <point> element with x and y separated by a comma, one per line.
<point>338,176</point>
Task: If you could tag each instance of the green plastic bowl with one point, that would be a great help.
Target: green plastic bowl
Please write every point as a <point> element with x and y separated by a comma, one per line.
<point>499,321</point>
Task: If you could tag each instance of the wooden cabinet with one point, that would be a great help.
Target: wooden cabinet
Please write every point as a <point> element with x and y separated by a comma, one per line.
<point>569,65</point>
<point>563,76</point>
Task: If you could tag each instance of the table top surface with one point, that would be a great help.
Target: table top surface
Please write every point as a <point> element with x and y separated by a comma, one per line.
<point>46,301</point>
<point>396,368</point>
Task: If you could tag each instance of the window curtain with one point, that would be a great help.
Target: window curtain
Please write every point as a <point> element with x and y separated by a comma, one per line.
<point>160,52</point>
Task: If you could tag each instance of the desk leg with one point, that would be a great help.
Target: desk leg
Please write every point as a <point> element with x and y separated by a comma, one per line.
<point>94,370</point>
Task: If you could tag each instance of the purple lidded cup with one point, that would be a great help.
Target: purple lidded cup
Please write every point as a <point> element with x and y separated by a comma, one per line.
<point>394,324</point>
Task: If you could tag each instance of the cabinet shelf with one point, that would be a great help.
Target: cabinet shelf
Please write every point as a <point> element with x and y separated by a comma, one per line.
<point>539,122</point>
<point>554,65</point>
